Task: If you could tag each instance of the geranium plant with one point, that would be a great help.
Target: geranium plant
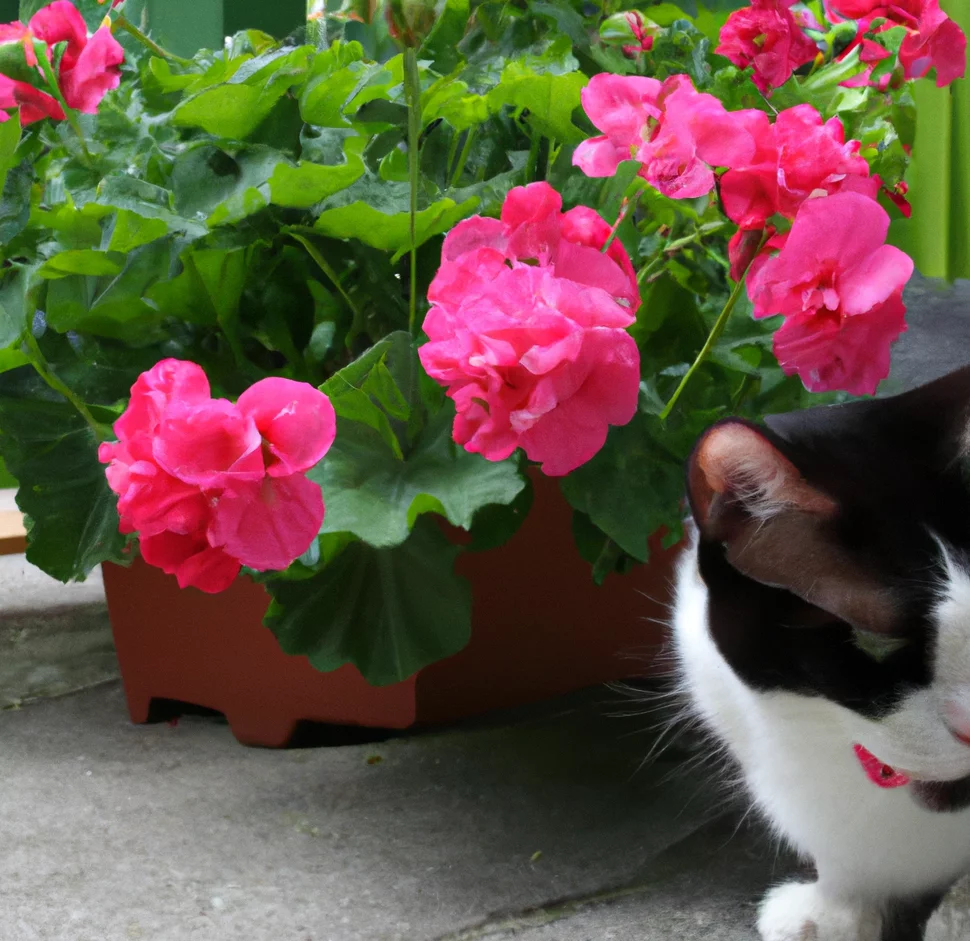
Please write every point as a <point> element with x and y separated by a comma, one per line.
<point>282,307</point>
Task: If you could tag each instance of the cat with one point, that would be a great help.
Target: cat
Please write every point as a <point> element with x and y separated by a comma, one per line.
<point>822,632</point>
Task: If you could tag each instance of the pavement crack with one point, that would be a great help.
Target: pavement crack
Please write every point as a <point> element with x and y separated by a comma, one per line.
<point>670,861</point>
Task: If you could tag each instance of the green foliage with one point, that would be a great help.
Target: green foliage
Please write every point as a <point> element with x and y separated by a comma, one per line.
<point>250,210</point>
<point>388,611</point>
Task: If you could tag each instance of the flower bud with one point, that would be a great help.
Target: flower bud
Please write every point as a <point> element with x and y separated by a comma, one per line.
<point>630,30</point>
<point>410,21</point>
<point>19,56</point>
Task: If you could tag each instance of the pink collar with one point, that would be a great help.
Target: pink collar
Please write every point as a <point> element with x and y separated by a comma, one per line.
<point>882,775</point>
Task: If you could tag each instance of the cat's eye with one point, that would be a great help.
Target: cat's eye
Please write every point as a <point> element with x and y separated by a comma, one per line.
<point>878,646</point>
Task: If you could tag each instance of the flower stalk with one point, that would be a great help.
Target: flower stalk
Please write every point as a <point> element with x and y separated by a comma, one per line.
<point>412,91</point>
<point>122,22</point>
<point>713,336</point>
<point>69,113</point>
<point>43,369</point>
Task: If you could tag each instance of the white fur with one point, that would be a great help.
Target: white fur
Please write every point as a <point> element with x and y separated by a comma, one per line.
<point>869,844</point>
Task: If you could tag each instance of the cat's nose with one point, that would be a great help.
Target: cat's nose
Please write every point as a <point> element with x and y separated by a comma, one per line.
<point>956,714</point>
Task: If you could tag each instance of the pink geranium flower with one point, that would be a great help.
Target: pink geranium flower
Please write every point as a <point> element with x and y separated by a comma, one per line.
<point>766,36</point>
<point>210,485</point>
<point>89,67</point>
<point>676,132</point>
<point>839,288</point>
<point>932,39</point>
<point>797,157</point>
<point>527,331</point>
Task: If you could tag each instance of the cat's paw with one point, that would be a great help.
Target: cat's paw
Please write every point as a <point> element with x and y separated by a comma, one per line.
<point>801,912</point>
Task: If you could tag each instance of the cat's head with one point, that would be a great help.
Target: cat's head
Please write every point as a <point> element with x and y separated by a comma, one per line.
<point>835,546</point>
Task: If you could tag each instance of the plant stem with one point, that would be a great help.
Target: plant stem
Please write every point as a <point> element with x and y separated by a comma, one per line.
<point>40,364</point>
<point>325,267</point>
<point>69,113</point>
<point>650,268</point>
<point>463,156</point>
<point>712,337</point>
<point>621,215</point>
<point>551,156</point>
<point>412,91</point>
<point>532,164</point>
<point>122,22</point>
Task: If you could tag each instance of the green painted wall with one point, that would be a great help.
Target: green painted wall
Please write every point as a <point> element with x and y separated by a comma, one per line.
<point>184,26</point>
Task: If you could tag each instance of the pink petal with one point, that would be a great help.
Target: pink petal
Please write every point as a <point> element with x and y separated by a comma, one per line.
<point>469,234</point>
<point>209,444</point>
<point>191,559</point>
<point>842,229</point>
<point>95,73</point>
<point>168,380</point>
<point>61,22</point>
<point>598,156</point>
<point>531,217</point>
<point>621,105</point>
<point>874,279</point>
<point>267,525</point>
<point>296,421</point>
<point>584,226</point>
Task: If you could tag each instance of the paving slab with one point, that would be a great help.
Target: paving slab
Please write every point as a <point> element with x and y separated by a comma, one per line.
<point>111,831</point>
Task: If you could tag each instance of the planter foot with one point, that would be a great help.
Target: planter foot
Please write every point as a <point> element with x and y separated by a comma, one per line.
<point>140,708</point>
<point>261,730</point>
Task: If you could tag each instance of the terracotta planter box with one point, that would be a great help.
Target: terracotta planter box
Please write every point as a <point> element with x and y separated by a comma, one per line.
<point>540,628</point>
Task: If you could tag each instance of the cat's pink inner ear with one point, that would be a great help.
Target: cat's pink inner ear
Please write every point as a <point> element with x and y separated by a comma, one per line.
<point>734,467</point>
<point>777,529</point>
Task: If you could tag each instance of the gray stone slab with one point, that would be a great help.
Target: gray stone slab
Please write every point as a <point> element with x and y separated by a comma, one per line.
<point>111,831</point>
<point>54,638</point>
<point>938,338</point>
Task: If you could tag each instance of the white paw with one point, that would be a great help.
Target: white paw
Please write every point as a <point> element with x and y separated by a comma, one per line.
<point>801,912</point>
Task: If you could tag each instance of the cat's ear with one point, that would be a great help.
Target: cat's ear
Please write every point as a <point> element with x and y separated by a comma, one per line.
<point>777,528</point>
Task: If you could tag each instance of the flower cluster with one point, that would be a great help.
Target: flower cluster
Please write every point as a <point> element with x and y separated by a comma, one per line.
<point>209,485</point>
<point>88,69</point>
<point>527,331</point>
<point>773,41</point>
<point>932,40</point>
<point>774,173</point>
<point>767,37</point>
<point>677,133</point>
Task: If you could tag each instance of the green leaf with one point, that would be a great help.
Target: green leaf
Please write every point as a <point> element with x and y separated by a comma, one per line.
<point>208,290</point>
<point>381,385</point>
<point>13,306</point>
<point>235,109</point>
<point>86,261</point>
<point>132,230</point>
<point>305,185</point>
<point>239,206</point>
<point>9,141</point>
<point>72,517</point>
<point>334,76</point>
<point>495,524</point>
<point>376,219</point>
<point>441,46</point>
<point>449,98</point>
<point>15,202</point>
<point>631,488</point>
<point>148,201</point>
<point>550,99</point>
<point>388,611</point>
<point>376,496</point>
<point>11,359</point>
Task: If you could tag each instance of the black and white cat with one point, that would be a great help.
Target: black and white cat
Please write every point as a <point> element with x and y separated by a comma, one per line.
<point>822,627</point>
